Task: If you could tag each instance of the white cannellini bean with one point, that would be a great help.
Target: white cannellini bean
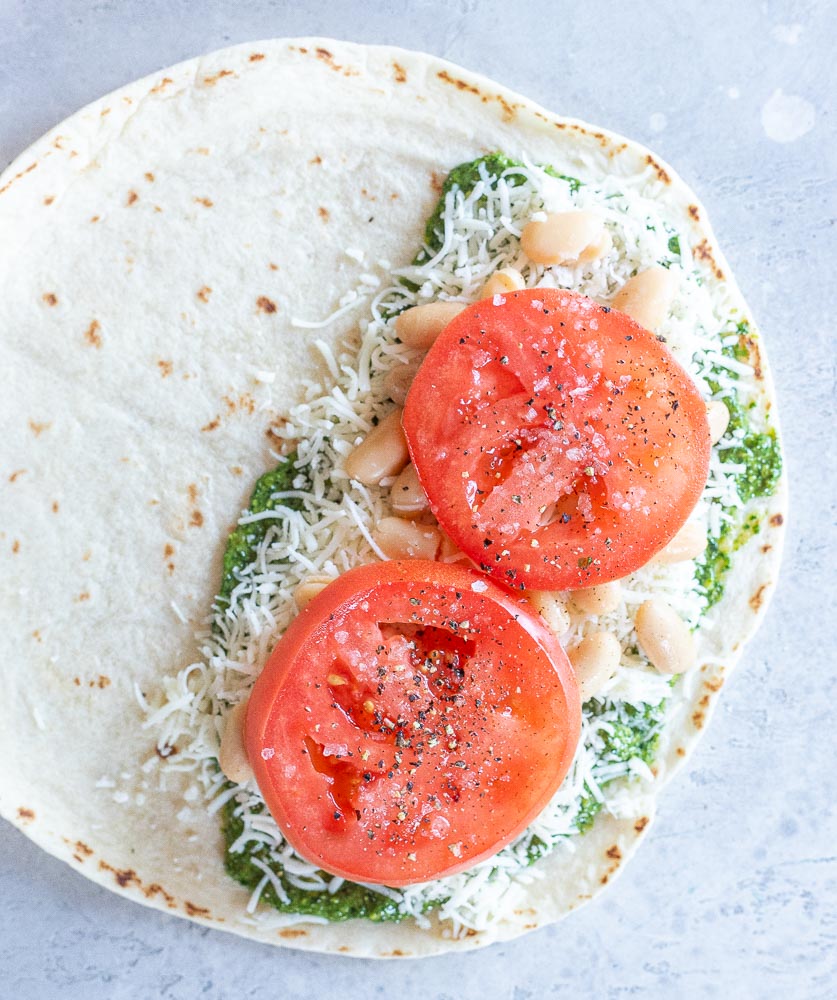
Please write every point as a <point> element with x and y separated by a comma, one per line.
<point>382,453</point>
<point>232,757</point>
<point>647,297</point>
<point>406,494</point>
<point>718,416</point>
<point>565,238</point>
<point>449,552</point>
<point>399,538</point>
<point>688,543</point>
<point>551,606</point>
<point>307,589</point>
<point>598,600</point>
<point>507,279</point>
<point>419,326</point>
<point>398,380</point>
<point>595,660</point>
<point>664,637</point>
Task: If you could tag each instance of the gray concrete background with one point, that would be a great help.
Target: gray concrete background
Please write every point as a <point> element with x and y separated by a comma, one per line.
<point>734,894</point>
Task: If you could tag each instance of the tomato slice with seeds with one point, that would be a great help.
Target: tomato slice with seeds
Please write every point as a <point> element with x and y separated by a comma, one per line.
<point>560,444</point>
<point>412,720</point>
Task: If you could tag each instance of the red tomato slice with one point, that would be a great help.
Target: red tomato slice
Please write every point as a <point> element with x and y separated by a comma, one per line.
<point>559,443</point>
<point>412,720</point>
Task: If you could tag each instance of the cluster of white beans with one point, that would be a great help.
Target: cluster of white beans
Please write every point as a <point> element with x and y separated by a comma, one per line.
<point>382,459</point>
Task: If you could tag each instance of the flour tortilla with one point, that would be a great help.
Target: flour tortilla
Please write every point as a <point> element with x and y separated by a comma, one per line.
<point>154,249</point>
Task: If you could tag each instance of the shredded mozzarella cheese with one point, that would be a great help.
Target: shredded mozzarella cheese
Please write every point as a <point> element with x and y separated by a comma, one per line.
<point>333,529</point>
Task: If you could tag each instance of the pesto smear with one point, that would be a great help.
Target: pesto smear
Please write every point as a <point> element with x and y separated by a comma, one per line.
<point>621,735</point>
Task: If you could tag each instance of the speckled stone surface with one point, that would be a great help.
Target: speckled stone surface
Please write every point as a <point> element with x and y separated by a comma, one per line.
<point>735,892</point>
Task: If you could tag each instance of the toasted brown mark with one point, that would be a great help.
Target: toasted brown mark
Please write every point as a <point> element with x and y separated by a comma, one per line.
<point>210,81</point>
<point>758,597</point>
<point>274,427</point>
<point>323,213</point>
<point>658,170</point>
<point>38,428</point>
<point>206,202</point>
<point>704,252</point>
<point>204,293</point>
<point>236,470</point>
<point>25,814</point>
<point>292,932</point>
<point>614,853</point>
<point>54,506</point>
<point>316,160</point>
<point>344,948</point>
<point>15,546</point>
<point>765,549</point>
<point>212,425</point>
<point>83,596</point>
<point>704,701</point>
<point>437,182</point>
<point>50,298</point>
<point>464,85</point>
<point>18,472</point>
<point>715,684</point>
<point>399,72</point>
<point>272,266</point>
<point>641,824</point>
<point>36,635</point>
<point>161,86</point>
<point>132,198</point>
<point>325,56</point>
<point>192,491</point>
<point>18,175</point>
<point>196,520</point>
<point>257,57</point>
<point>155,889</point>
<point>195,911</point>
<point>244,402</point>
<point>777,520</point>
<point>165,751</point>
<point>697,720</point>
<point>149,176</point>
<point>82,851</point>
<point>50,198</point>
<point>265,305</point>
<point>693,211</point>
<point>92,335</point>
<point>100,682</point>
<point>680,752</point>
<point>95,218</point>
<point>166,367</point>
<point>459,84</point>
<point>123,876</point>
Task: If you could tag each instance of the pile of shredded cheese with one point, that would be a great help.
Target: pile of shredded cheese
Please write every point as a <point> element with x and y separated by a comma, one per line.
<point>333,529</point>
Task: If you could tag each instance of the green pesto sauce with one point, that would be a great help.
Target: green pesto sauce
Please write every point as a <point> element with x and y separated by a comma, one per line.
<point>761,456</point>
<point>245,538</point>
<point>348,903</point>
<point>636,736</point>
<point>465,177</point>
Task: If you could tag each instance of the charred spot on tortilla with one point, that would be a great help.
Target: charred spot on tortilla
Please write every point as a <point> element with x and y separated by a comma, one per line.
<point>93,334</point>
